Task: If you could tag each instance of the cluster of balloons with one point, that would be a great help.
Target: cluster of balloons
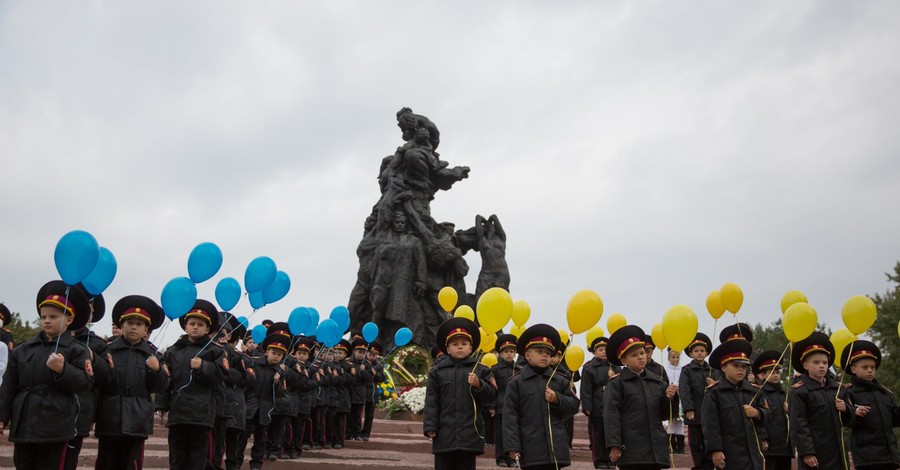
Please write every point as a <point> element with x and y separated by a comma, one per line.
<point>80,258</point>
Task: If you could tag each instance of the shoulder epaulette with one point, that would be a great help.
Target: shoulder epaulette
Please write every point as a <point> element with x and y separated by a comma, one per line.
<point>848,385</point>
<point>797,385</point>
<point>615,376</point>
<point>715,382</point>
<point>757,385</point>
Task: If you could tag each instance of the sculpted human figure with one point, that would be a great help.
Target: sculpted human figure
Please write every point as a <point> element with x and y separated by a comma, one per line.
<point>492,246</point>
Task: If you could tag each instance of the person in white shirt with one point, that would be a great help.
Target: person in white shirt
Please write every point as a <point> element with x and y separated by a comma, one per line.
<point>675,428</point>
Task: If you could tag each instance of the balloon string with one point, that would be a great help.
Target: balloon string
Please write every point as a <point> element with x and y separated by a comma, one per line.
<point>844,372</point>
<point>772,371</point>
<point>549,418</point>
<point>713,341</point>
<point>788,393</point>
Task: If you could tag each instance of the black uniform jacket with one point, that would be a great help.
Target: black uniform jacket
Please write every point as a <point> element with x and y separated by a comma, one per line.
<point>126,407</point>
<point>502,372</point>
<point>377,369</point>
<point>692,388</point>
<point>266,389</point>
<point>816,422</point>
<point>236,382</point>
<point>873,441</point>
<point>726,428</point>
<point>633,411</point>
<point>37,404</point>
<point>87,400</point>
<point>594,380</point>
<point>450,405</point>
<point>777,422</point>
<point>190,396</point>
<point>529,420</point>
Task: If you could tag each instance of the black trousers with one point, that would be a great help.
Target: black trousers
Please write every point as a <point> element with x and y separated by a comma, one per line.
<point>235,443</point>
<point>293,436</point>
<point>73,450</point>
<point>488,425</point>
<point>598,440</point>
<point>219,429</point>
<point>317,430</point>
<point>120,452</point>
<point>39,456</point>
<point>569,424</point>
<point>457,460</point>
<point>698,448</point>
<point>336,426</point>
<point>783,463</point>
<point>276,433</point>
<point>499,450</point>
<point>356,419</point>
<point>244,438</point>
<point>190,447</point>
<point>258,451</point>
<point>370,416</point>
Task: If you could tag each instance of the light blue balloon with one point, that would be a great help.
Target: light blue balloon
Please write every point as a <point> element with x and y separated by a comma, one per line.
<point>258,333</point>
<point>228,293</point>
<point>402,337</point>
<point>244,321</point>
<point>299,321</point>
<point>312,331</point>
<point>204,262</point>
<point>256,300</point>
<point>328,333</point>
<point>370,332</point>
<point>178,296</point>
<point>259,274</point>
<point>279,288</point>
<point>103,274</point>
<point>341,316</point>
<point>315,322</point>
<point>76,255</point>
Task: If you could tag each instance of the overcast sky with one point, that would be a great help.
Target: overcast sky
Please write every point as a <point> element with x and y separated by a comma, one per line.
<point>651,151</point>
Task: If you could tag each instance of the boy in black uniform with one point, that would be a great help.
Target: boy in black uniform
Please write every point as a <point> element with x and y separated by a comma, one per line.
<point>732,420</point>
<point>377,369</point>
<point>595,377</point>
<point>458,386</point>
<point>767,370</point>
<point>358,388</point>
<point>816,415</point>
<point>236,385</point>
<point>125,407</point>
<point>652,365</point>
<point>5,334</point>
<point>537,403</point>
<point>873,444</point>
<point>37,398</point>
<point>269,385</point>
<point>283,407</point>
<point>196,369</point>
<point>502,371</point>
<point>635,405</point>
<point>302,399</point>
<point>343,376</point>
<point>736,331</point>
<point>695,378</point>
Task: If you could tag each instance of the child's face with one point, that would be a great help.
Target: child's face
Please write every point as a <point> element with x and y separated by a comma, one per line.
<point>134,330</point>
<point>301,355</point>
<point>538,357</point>
<point>339,355</point>
<point>674,357</point>
<point>274,356</point>
<point>508,354</point>
<point>775,376</point>
<point>698,353</point>
<point>635,359</point>
<point>358,354</point>
<point>371,356</point>
<point>196,328</point>
<point>459,348</point>
<point>54,321</point>
<point>329,356</point>
<point>734,371</point>
<point>816,365</point>
<point>555,358</point>
<point>249,345</point>
<point>650,350</point>
<point>864,369</point>
<point>600,352</point>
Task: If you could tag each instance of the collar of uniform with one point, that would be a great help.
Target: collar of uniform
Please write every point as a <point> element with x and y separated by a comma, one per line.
<point>725,384</point>
<point>628,374</point>
<point>812,383</point>
<point>120,343</point>
<point>597,363</point>
<point>529,372</point>
<point>866,384</point>
<point>64,340</point>
<point>469,360</point>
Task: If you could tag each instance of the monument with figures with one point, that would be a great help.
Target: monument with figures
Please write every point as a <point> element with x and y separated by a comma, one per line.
<point>405,255</point>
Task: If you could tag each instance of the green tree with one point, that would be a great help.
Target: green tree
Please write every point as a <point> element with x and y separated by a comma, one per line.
<point>772,336</point>
<point>884,332</point>
<point>22,331</point>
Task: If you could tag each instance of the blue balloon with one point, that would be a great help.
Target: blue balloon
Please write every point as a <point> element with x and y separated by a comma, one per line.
<point>244,321</point>
<point>258,333</point>
<point>402,337</point>
<point>178,296</point>
<point>256,300</point>
<point>228,293</point>
<point>204,262</point>
<point>299,321</point>
<point>260,273</point>
<point>76,255</point>
<point>279,288</point>
<point>312,331</point>
<point>103,274</point>
<point>341,316</point>
<point>370,332</point>
<point>328,333</point>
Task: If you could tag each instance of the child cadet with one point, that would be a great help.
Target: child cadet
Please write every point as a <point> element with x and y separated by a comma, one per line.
<point>502,371</point>
<point>458,386</point>
<point>537,403</point>
<point>236,385</point>
<point>873,444</point>
<point>695,377</point>
<point>595,377</point>
<point>196,369</point>
<point>736,331</point>
<point>362,383</point>
<point>635,405</point>
<point>816,415</point>
<point>343,376</point>
<point>269,385</point>
<point>284,407</point>
<point>294,439</point>
<point>125,408</point>
<point>43,377</point>
<point>732,420</point>
<point>377,368</point>
<point>652,365</point>
<point>767,369</point>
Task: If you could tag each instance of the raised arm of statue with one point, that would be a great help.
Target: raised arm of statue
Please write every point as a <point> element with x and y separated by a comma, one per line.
<point>498,229</point>
<point>479,229</point>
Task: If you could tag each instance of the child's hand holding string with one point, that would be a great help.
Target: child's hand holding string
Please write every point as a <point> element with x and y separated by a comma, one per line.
<point>841,405</point>
<point>862,411</point>
<point>550,395</point>
<point>670,390</point>
<point>474,381</point>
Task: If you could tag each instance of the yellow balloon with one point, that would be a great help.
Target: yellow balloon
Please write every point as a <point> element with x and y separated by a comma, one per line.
<point>489,360</point>
<point>714,305</point>
<point>840,339</point>
<point>563,336</point>
<point>593,334</point>
<point>679,326</point>
<point>517,330</point>
<point>658,337</point>
<point>574,357</point>
<point>859,314</point>
<point>521,312</point>
<point>495,307</point>
<point>488,340</point>
<point>799,321</point>
<point>898,328</point>
<point>464,311</point>
<point>584,311</point>
<point>616,321</point>
<point>732,297</point>
<point>447,297</point>
<point>790,298</point>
